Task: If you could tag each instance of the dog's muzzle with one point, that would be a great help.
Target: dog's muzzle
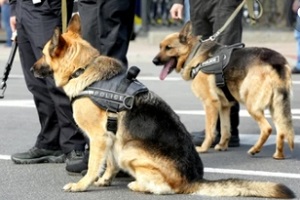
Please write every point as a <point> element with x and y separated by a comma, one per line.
<point>41,72</point>
<point>157,61</point>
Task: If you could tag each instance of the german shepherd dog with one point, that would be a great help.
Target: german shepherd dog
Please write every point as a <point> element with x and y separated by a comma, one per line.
<point>150,143</point>
<point>259,78</point>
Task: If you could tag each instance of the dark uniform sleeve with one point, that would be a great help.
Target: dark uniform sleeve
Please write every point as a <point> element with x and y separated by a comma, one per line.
<point>178,1</point>
<point>12,7</point>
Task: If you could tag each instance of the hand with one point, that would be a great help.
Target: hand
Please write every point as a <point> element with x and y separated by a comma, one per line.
<point>176,11</point>
<point>295,6</point>
<point>13,22</point>
<point>2,2</point>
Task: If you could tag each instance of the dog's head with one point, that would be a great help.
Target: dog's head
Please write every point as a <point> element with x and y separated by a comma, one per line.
<point>174,50</point>
<point>64,54</point>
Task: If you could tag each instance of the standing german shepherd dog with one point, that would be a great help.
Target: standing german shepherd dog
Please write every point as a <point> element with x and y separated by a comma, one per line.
<point>259,78</point>
<point>150,143</point>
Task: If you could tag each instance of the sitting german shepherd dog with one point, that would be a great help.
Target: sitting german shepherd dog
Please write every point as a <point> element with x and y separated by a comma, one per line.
<point>259,78</point>
<point>150,142</point>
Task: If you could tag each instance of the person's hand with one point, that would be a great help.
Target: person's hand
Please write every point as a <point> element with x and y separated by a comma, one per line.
<point>176,11</point>
<point>13,23</point>
<point>295,6</point>
<point>2,2</point>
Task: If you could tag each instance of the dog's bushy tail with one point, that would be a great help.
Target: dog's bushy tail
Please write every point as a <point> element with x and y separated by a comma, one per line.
<point>281,109</point>
<point>239,187</point>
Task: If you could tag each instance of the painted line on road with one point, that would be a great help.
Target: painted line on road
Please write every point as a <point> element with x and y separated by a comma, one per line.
<point>4,157</point>
<point>252,173</point>
<point>243,113</point>
<point>143,78</point>
<point>153,78</point>
<point>230,171</point>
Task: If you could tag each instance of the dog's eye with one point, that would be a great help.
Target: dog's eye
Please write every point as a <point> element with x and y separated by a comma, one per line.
<point>168,47</point>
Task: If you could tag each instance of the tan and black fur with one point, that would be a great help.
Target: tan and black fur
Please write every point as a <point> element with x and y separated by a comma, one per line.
<point>151,143</point>
<point>260,78</point>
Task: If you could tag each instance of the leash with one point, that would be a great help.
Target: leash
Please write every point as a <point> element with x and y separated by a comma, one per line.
<point>64,15</point>
<point>250,4</point>
<point>9,64</point>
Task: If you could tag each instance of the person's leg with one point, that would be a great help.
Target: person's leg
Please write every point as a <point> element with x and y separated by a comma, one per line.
<point>231,35</point>
<point>296,69</point>
<point>213,15</point>
<point>5,15</point>
<point>34,30</point>
<point>108,25</point>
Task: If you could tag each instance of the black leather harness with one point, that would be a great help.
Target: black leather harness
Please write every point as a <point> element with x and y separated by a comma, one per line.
<point>116,94</point>
<point>216,65</point>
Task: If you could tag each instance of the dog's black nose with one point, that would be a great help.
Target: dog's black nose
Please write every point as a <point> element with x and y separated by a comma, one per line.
<point>156,61</point>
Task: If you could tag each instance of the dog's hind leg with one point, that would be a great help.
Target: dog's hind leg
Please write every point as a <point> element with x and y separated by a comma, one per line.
<point>265,130</point>
<point>149,179</point>
<point>225,128</point>
<point>282,117</point>
<point>151,172</point>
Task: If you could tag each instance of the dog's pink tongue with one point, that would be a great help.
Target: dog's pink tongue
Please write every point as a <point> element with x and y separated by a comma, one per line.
<point>169,66</point>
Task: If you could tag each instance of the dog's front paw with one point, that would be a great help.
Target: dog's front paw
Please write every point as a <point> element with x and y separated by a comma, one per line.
<point>253,151</point>
<point>219,147</point>
<point>201,149</point>
<point>103,182</point>
<point>134,186</point>
<point>278,155</point>
<point>73,187</point>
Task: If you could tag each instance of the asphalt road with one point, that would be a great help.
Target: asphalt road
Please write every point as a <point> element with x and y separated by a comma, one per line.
<point>19,125</point>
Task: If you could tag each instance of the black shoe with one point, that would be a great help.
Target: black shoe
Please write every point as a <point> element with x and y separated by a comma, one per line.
<point>77,167</point>
<point>198,139</point>
<point>36,155</point>
<point>295,71</point>
<point>74,155</point>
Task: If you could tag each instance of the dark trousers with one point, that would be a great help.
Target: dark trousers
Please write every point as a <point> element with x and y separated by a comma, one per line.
<point>35,25</point>
<point>108,25</point>
<point>207,18</point>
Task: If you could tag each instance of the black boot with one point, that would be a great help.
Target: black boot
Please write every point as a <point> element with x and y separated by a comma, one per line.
<point>80,167</point>
<point>234,141</point>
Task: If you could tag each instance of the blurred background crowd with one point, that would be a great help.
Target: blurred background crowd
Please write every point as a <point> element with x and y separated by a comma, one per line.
<point>154,14</point>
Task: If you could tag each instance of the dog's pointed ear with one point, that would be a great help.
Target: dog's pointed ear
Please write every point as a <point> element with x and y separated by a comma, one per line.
<point>185,32</point>
<point>75,24</point>
<point>57,43</point>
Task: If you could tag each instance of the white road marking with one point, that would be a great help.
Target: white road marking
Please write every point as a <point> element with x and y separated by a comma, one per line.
<point>4,157</point>
<point>229,171</point>
<point>252,173</point>
<point>243,113</point>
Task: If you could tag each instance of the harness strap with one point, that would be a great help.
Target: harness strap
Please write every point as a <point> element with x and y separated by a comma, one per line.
<point>112,122</point>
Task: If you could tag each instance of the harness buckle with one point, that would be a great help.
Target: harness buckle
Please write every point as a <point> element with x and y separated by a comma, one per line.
<point>128,102</point>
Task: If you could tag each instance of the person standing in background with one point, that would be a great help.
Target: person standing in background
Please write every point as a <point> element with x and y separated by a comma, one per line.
<point>295,7</point>
<point>207,17</point>
<point>5,18</point>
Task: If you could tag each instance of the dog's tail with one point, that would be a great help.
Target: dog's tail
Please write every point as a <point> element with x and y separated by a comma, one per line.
<point>281,110</point>
<point>239,187</point>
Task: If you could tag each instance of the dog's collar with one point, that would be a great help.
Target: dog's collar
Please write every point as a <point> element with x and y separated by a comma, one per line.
<point>193,52</point>
<point>81,70</point>
<point>78,72</point>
